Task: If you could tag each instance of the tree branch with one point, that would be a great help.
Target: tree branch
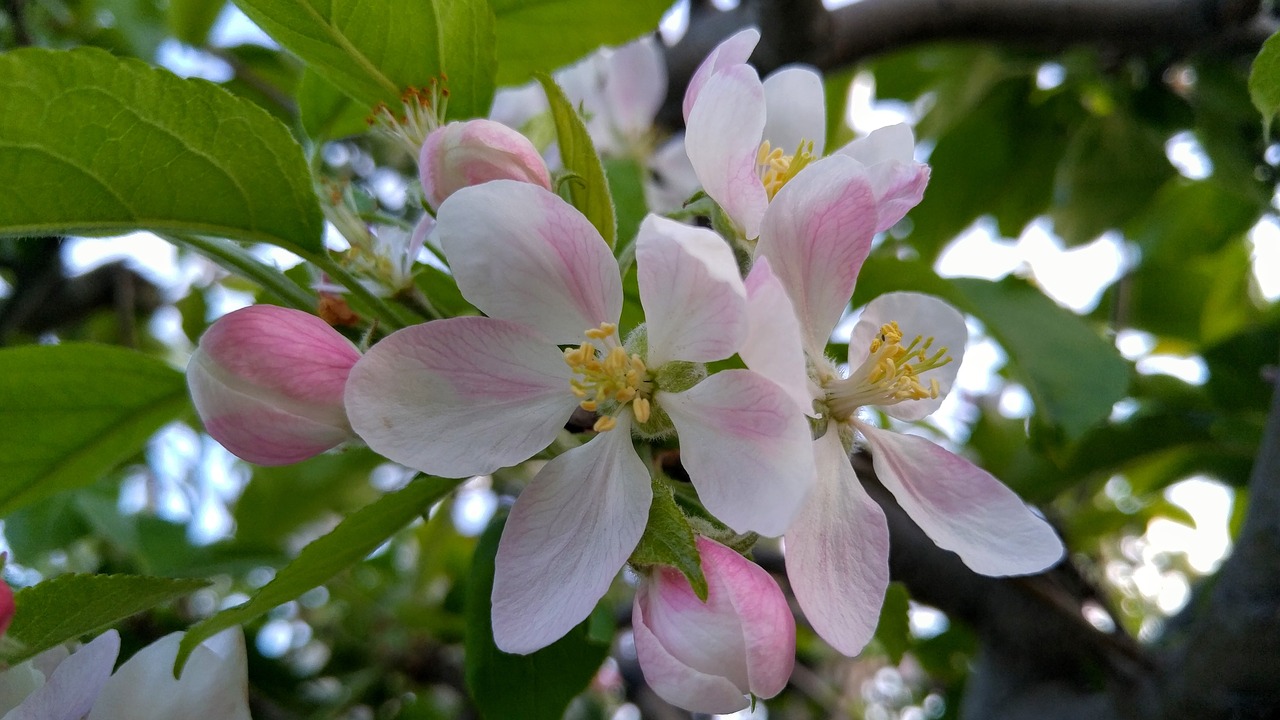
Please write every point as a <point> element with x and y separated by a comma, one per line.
<point>802,31</point>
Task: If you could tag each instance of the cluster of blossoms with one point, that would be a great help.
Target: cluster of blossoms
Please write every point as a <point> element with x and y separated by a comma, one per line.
<point>766,442</point>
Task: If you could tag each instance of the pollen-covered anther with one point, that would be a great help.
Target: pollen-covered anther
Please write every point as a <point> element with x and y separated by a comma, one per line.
<point>892,373</point>
<point>423,111</point>
<point>776,167</point>
<point>607,378</point>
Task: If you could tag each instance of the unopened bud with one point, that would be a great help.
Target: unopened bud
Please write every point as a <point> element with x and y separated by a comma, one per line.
<point>462,154</point>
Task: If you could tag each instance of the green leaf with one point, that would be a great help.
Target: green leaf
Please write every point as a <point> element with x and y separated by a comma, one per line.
<point>893,632</point>
<point>525,29</point>
<point>1073,374</point>
<point>191,20</point>
<point>1110,170</point>
<point>71,413</point>
<point>375,49</point>
<point>537,686</point>
<point>355,537</point>
<point>70,606</point>
<point>325,111</point>
<point>669,540</point>
<point>1264,81</point>
<point>589,191</point>
<point>626,185</point>
<point>90,143</point>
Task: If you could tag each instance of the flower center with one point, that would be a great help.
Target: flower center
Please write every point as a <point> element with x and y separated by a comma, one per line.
<point>607,378</point>
<point>890,374</point>
<point>776,168</point>
<point>424,109</point>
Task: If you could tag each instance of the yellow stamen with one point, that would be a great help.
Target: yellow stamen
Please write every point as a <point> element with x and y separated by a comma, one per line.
<point>607,378</point>
<point>891,374</point>
<point>776,168</point>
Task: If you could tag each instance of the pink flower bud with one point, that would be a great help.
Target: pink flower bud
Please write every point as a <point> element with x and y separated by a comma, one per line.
<point>705,657</point>
<point>268,383</point>
<point>462,154</point>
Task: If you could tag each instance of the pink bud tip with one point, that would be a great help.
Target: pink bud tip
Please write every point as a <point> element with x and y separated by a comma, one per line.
<point>462,154</point>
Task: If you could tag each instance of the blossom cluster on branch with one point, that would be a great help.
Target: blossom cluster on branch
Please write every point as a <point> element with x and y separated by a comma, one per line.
<point>730,364</point>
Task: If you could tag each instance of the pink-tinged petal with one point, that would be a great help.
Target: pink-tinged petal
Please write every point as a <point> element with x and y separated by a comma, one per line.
<point>816,234</point>
<point>214,683</point>
<point>268,384</point>
<point>521,253</point>
<point>706,656</point>
<point>747,448</point>
<point>916,314</point>
<point>838,553</point>
<point>458,397</point>
<point>636,86</point>
<point>796,109</point>
<point>462,154</point>
<point>6,606</point>
<point>733,51</point>
<point>898,180</point>
<point>694,300</point>
<point>894,143</point>
<point>773,346</point>
<point>722,138</point>
<point>961,507</point>
<point>569,533</point>
<point>73,686</point>
<point>673,680</point>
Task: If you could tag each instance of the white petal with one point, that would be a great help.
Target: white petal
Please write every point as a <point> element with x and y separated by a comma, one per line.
<point>459,397</point>
<point>773,346</point>
<point>520,253</point>
<point>916,314</point>
<point>693,297</point>
<point>816,234</point>
<point>796,109</point>
<point>747,448</point>
<point>72,687</point>
<point>838,553</point>
<point>961,507</point>
<point>733,51</point>
<point>636,85</point>
<point>569,533</point>
<point>722,138</point>
<point>893,143</point>
<point>212,687</point>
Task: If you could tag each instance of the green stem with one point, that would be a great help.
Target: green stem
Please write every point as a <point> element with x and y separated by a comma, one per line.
<point>239,261</point>
<point>387,315</point>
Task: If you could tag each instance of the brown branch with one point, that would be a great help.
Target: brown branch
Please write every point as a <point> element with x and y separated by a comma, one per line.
<point>800,31</point>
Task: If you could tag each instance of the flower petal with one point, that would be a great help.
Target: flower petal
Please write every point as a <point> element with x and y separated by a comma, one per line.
<point>916,314</point>
<point>673,680</point>
<point>961,507</point>
<point>471,152</point>
<point>213,686</point>
<point>773,346</point>
<point>569,533</point>
<point>520,253</point>
<point>747,448</point>
<point>733,51</point>
<point>838,553</point>
<point>635,87</point>
<point>722,138</point>
<point>693,297</point>
<point>768,628</point>
<point>73,686</point>
<point>458,397</point>
<point>816,234</point>
<point>898,180</point>
<point>796,109</point>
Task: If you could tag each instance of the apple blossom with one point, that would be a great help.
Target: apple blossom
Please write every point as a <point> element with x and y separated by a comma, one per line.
<point>268,383</point>
<point>469,395</point>
<point>746,138</point>
<point>6,605</point>
<point>462,154</point>
<point>815,236</point>
<point>707,656</point>
<point>62,685</point>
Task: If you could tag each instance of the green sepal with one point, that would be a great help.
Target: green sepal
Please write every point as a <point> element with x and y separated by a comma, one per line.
<point>669,540</point>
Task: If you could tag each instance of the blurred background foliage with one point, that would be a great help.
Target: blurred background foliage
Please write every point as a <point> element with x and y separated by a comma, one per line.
<point>1129,416</point>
